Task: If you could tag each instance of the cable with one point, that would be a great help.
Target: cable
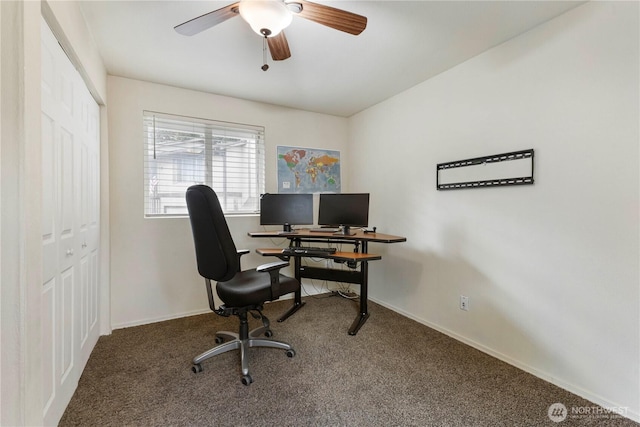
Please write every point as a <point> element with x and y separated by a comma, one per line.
<point>343,295</point>
<point>271,239</point>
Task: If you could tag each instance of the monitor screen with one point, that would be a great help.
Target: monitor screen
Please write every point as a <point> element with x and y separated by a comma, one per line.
<point>345,209</point>
<point>286,210</point>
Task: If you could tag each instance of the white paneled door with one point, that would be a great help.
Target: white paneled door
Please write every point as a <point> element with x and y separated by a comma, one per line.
<point>70,230</point>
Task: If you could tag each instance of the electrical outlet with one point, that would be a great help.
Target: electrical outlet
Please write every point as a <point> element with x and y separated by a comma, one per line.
<point>464,303</point>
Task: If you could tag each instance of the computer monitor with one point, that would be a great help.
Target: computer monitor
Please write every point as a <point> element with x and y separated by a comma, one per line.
<point>286,210</point>
<point>345,210</point>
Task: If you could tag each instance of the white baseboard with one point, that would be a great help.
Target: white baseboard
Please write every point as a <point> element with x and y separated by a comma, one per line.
<point>586,394</point>
<point>149,320</point>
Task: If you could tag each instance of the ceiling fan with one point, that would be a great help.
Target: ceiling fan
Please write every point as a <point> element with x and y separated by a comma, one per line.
<point>269,17</point>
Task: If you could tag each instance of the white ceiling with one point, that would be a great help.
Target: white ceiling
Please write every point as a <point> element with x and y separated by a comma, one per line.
<point>405,43</point>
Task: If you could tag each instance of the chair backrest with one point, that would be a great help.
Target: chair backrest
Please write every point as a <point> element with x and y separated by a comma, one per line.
<point>216,253</point>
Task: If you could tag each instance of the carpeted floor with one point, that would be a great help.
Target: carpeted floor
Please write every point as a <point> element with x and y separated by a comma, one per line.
<point>395,372</point>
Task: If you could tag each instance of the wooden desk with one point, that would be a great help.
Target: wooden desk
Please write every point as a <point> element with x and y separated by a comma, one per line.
<point>359,257</point>
<point>307,235</point>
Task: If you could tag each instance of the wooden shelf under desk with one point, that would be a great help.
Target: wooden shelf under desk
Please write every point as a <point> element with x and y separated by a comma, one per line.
<point>346,256</point>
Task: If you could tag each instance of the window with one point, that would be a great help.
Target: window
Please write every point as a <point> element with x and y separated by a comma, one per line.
<point>182,151</point>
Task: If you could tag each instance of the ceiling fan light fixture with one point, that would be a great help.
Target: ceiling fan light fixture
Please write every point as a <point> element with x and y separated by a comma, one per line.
<point>266,17</point>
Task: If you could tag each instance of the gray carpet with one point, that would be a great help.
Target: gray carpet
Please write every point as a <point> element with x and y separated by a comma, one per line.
<point>395,372</point>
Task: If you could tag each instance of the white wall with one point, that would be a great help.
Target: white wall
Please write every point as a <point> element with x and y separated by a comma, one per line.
<point>153,274</point>
<point>20,244</point>
<point>551,269</point>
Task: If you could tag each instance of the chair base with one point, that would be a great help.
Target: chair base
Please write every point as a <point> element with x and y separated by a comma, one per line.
<point>243,344</point>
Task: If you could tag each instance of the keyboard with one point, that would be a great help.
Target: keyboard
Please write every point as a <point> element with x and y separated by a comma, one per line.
<point>325,230</point>
<point>306,250</point>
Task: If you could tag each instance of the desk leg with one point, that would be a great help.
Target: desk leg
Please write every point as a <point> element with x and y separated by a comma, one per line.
<point>364,311</point>
<point>297,299</point>
<point>297,305</point>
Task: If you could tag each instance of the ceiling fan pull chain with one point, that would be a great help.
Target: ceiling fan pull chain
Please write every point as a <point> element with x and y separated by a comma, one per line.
<point>265,66</point>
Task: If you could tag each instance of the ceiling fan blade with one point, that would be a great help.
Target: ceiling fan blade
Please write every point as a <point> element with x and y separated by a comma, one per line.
<point>279,47</point>
<point>331,17</point>
<point>208,20</point>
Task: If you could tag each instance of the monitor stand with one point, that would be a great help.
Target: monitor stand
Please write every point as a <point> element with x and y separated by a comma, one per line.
<point>345,230</point>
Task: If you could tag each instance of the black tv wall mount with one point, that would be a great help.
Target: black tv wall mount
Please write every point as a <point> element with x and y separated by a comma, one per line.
<point>514,168</point>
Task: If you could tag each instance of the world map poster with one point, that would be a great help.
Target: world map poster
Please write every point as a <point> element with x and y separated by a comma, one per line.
<point>308,170</point>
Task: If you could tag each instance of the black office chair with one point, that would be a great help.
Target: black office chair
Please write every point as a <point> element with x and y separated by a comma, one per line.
<point>241,292</point>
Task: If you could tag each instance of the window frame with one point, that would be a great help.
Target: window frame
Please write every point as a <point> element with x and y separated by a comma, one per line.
<point>230,157</point>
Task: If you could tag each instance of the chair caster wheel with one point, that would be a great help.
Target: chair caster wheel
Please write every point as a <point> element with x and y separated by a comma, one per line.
<point>290,353</point>
<point>219,340</point>
<point>196,368</point>
<point>268,333</point>
<point>246,379</point>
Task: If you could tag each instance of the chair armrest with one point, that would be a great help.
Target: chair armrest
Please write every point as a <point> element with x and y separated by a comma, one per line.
<point>276,265</point>
<point>240,253</point>
<point>273,268</point>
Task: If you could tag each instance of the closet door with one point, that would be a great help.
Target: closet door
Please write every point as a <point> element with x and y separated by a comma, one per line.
<point>70,234</point>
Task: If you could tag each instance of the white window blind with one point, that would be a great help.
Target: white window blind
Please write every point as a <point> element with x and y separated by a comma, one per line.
<point>182,151</point>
